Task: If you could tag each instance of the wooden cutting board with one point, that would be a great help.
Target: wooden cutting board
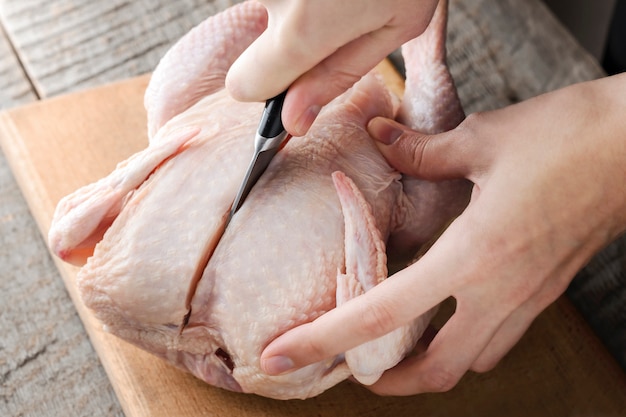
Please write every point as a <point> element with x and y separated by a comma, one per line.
<point>559,368</point>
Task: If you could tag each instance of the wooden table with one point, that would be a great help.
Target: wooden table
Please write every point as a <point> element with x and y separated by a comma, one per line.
<point>499,51</point>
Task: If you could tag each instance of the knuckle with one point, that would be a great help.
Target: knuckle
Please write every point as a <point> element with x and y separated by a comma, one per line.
<point>377,320</point>
<point>340,79</point>
<point>425,157</point>
<point>314,347</point>
<point>440,380</point>
<point>418,152</point>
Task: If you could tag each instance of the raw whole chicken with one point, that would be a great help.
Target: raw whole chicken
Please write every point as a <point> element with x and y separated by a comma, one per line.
<point>164,273</point>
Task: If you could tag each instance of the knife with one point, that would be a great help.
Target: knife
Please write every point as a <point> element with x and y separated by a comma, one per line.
<point>270,137</point>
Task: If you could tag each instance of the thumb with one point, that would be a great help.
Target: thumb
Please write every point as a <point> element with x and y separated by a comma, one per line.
<point>432,157</point>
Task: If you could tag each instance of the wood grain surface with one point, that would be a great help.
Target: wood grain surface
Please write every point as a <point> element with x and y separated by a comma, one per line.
<point>499,52</point>
<point>67,45</point>
<point>15,89</point>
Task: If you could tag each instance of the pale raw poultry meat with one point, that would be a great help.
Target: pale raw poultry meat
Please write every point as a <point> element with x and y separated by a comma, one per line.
<point>161,272</point>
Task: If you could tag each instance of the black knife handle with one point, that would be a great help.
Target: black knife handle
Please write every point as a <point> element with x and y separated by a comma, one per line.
<point>271,124</point>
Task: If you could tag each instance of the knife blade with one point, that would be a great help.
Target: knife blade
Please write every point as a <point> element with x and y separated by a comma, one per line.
<point>270,137</point>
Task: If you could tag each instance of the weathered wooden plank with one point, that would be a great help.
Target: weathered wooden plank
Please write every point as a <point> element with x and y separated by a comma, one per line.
<point>15,89</point>
<point>67,45</point>
<point>47,364</point>
<point>42,342</point>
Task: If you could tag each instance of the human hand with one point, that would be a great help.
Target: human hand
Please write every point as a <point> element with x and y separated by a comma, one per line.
<point>320,49</point>
<point>549,193</point>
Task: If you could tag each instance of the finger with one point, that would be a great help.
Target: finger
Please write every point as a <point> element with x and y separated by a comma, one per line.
<point>450,355</point>
<point>293,44</point>
<point>266,68</point>
<point>443,156</point>
<point>335,75</point>
<point>503,341</point>
<point>394,302</point>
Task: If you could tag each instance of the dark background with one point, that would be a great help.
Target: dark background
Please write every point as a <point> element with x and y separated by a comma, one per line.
<point>614,59</point>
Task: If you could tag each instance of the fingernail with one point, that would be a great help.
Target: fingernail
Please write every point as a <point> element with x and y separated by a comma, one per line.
<point>307,118</point>
<point>277,365</point>
<point>384,130</point>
